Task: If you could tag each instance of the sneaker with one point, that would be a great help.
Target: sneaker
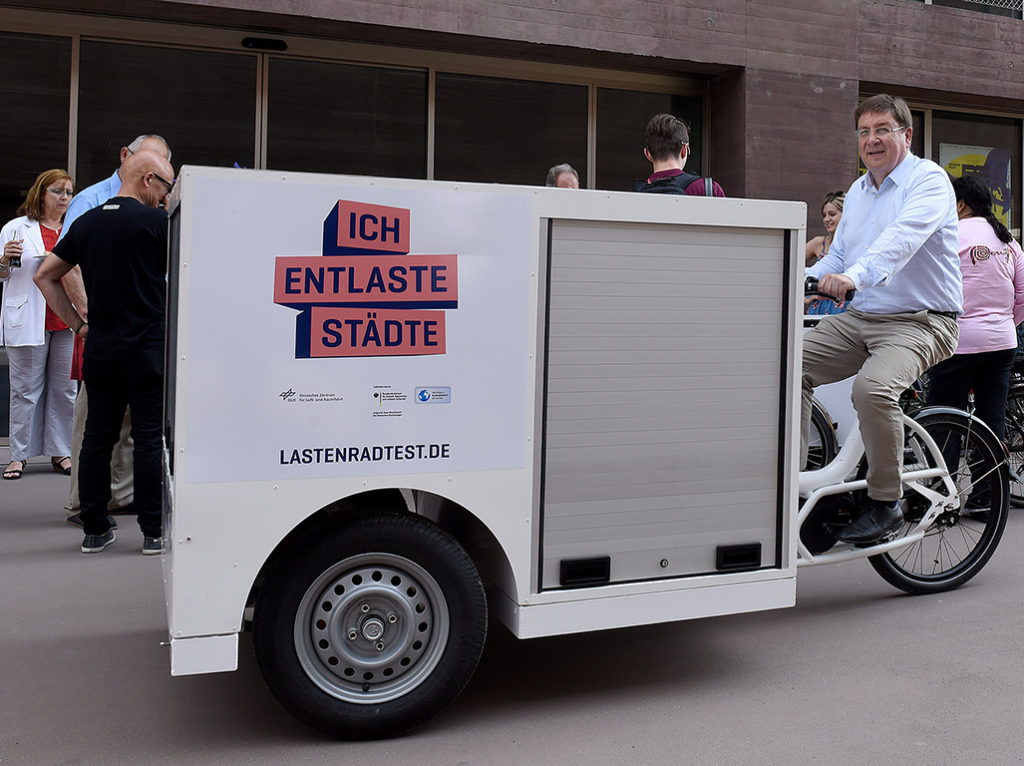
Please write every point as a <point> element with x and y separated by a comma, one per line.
<point>151,546</point>
<point>96,543</point>
<point>75,520</point>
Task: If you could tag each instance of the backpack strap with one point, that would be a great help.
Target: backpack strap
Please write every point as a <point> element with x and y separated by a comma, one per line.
<point>672,185</point>
<point>709,184</point>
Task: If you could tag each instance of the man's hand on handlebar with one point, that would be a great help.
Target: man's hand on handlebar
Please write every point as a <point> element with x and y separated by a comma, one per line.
<point>837,286</point>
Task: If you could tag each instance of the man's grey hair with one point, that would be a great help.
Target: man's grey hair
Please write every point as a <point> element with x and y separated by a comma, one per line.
<point>135,145</point>
<point>557,170</point>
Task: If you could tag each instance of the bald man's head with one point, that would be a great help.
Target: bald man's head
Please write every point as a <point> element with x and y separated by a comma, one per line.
<point>147,176</point>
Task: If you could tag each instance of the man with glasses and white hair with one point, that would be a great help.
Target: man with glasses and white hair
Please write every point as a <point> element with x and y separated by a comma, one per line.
<point>896,245</point>
<point>121,486</point>
<point>121,247</point>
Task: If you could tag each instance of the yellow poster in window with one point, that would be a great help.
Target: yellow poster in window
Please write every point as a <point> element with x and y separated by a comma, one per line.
<point>990,164</point>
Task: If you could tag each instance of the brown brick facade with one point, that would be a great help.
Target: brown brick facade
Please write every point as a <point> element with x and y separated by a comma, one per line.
<point>785,75</point>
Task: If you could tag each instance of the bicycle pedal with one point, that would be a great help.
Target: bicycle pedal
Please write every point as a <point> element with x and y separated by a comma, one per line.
<point>889,536</point>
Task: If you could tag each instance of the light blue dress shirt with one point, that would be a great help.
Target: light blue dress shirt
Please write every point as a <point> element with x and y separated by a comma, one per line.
<point>88,198</point>
<point>898,242</point>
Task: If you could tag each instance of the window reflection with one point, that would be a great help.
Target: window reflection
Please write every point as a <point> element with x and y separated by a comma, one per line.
<point>358,120</point>
<point>989,147</point>
<point>34,91</point>
<point>203,103</point>
<point>622,117</point>
<point>508,131</point>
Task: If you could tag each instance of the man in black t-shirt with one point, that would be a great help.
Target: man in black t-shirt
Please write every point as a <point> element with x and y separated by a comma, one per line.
<point>121,247</point>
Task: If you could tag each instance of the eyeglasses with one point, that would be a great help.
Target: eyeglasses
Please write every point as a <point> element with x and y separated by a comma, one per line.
<point>165,182</point>
<point>877,132</point>
<point>61,192</point>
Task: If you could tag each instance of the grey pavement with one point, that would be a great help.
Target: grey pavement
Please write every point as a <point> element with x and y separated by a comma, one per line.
<point>857,673</point>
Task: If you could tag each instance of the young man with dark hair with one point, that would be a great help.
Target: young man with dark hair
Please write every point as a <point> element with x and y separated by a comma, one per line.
<point>667,147</point>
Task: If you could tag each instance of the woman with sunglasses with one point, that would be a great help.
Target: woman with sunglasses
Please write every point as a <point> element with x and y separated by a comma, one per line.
<point>39,345</point>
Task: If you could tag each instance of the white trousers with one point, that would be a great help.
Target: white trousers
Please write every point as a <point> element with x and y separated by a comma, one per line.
<point>42,397</point>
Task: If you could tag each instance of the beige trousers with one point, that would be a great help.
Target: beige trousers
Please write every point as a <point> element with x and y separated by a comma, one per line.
<point>887,352</point>
<point>122,489</point>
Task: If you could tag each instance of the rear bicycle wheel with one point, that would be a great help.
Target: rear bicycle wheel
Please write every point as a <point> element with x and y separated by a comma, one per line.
<point>822,445</point>
<point>963,537</point>
<point>1014,427</point>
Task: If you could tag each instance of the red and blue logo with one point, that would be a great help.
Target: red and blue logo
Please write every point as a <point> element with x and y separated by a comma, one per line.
<point>366,295</point>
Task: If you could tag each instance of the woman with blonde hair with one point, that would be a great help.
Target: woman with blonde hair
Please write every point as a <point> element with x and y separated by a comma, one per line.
<point>817,248</point>
<point>39,345</point>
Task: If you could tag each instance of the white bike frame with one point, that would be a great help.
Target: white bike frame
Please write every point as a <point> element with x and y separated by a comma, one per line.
<point>833,479</point>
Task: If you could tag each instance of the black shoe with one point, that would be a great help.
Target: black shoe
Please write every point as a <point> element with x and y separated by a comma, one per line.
<point>878,520</point>
<point>75,520</point>
<point>152,546</point>
<point>96,543</point>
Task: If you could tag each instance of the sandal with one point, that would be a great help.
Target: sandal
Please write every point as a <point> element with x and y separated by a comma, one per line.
<point>14,473</point>
<point>58,465</point>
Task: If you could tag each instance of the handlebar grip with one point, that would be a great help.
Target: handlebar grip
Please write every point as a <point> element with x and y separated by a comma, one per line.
<point>811,290</point>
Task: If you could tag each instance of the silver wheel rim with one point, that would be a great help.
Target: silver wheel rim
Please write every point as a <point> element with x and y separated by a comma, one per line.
<point>371,628</point>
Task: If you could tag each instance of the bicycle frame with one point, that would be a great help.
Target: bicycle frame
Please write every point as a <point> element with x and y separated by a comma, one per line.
<point>833,479</point>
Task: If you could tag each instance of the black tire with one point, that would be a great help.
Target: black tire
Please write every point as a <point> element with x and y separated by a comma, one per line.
<point>369,628</point>
<point>962,539</point>
<point>822,444</point>
<point>1014,436</point>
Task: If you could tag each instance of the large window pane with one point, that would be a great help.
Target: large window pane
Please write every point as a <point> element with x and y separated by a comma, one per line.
<point>359,120</point>
<point>622,117</point>
<point>203,103</point>
<point>35,82</point>
<point>507,131</point>
<point>35,95</point>
<point>989,147</point>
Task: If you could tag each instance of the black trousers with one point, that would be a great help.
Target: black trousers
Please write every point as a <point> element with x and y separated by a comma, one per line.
<point>113,385</point>
<point>987,374</point>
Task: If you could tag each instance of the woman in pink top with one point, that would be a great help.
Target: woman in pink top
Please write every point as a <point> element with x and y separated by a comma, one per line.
<point>993,270</point>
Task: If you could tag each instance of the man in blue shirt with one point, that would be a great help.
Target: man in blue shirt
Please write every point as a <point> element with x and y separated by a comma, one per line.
<point>122,485</point>
<point>896,245</point>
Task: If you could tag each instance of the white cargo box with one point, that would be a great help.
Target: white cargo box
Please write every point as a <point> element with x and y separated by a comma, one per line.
<point>593,393</point>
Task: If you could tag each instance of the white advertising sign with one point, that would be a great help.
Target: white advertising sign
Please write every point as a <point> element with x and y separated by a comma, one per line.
<point>339,331</point>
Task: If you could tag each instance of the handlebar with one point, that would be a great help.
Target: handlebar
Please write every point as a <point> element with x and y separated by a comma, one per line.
<point>811,290</point>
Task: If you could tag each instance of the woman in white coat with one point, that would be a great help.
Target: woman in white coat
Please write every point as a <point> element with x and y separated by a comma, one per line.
<point>39,345</point>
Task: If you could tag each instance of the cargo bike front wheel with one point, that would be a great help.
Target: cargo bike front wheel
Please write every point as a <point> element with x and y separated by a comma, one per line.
<point>370,628</point>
